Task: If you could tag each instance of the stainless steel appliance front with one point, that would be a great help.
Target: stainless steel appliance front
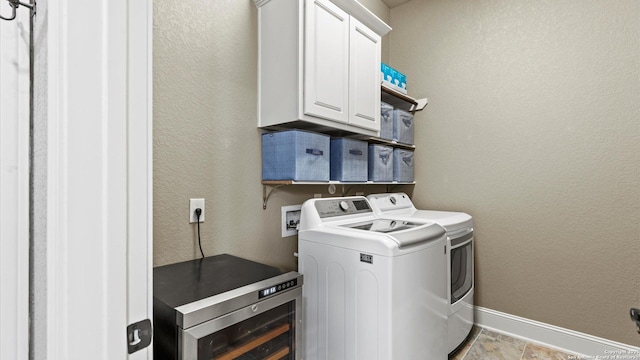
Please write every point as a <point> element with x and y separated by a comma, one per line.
<point>225,307</point>
<point>268,329</point>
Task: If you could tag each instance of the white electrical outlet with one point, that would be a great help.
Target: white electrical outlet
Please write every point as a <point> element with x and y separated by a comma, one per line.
<point>193,205</point>
<point>290,220</point>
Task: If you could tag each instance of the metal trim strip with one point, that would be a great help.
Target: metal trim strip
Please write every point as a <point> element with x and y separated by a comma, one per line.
<point>200,311</point>
<point>188,338</point>
<point>456,242</point>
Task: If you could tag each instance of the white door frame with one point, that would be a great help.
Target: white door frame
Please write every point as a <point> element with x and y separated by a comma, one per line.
<point>140,167</point>
<point>14,184</point>
<point>98,176</point>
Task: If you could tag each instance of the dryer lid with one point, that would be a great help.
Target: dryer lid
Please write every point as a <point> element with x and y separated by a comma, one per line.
<point>451,221</point>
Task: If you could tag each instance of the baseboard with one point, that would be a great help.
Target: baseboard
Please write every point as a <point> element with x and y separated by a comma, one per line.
<point>549,335</point>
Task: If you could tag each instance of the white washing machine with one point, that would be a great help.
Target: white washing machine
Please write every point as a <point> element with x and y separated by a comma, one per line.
<point>372,286</point>
<point>460,273</point>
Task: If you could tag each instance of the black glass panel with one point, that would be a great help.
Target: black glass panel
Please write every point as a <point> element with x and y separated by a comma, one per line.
<point>264,336</point>
<point>193,280</point>
<point>461,272</point>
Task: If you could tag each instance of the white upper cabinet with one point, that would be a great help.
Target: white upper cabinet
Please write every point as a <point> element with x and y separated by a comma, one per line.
<point>364,76</point>
<point>319,65</point>
<point>326,59</point>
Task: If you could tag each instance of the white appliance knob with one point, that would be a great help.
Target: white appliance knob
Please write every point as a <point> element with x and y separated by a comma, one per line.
<point>393,200</point>
<point>344,205</point>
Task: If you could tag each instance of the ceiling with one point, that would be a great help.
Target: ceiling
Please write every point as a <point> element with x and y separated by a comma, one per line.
<point>393,3</point>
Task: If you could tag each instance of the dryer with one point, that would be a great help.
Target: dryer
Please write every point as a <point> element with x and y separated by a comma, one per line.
<point>460,263</point>
<point>372,286</point>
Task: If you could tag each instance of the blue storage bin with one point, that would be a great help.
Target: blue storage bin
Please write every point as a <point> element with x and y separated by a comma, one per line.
<point>403,126</point>
<point>295,155</point>
<point>380,163</point>
<point>386,121</point>
<point>403,165</point>
<point>349,160</point>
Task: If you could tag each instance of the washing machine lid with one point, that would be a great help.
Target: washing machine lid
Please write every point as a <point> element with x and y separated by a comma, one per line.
<point>384,225</point>
<point>349,222</point>
<point>403,232</point>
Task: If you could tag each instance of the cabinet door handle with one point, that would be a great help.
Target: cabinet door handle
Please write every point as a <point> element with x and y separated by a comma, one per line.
<point>355,152</point>
<point>315,152</point>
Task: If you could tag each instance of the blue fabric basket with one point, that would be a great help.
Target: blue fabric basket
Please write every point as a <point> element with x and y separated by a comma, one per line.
<point>380,163</point>
<point>403,126</point>
<point>386,121</point>
<point>295,155</point>
<point>349,160</point>
<point>403,165</point>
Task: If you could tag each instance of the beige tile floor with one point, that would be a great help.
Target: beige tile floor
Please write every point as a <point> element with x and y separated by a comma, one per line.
<point>484,344</point>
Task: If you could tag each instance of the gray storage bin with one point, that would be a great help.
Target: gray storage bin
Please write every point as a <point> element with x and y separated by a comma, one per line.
<point>349,160</point>
<point>380,163</point>
<point>403,126</point>
<point>295,155</point>
<point>386,121</point>
<point>403,165</point>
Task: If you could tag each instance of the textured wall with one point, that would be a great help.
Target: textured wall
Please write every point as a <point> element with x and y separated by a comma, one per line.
<point>533,127</point>
<point>206,140</point>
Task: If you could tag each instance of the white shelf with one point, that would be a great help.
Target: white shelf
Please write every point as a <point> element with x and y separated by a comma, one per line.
<point>392,143</point>
<point>402,101</point>
<point>295,182</point>
<point>274,184</point>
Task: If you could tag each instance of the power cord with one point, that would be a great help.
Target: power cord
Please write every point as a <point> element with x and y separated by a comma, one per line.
<point>198,212</point>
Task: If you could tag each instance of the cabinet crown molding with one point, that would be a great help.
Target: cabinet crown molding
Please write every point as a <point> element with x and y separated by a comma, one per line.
<point>355,9</point>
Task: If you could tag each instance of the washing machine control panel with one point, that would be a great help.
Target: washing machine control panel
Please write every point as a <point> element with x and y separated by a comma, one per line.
<point>340,207</point>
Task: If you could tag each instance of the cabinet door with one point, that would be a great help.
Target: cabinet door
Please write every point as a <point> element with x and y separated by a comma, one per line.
<point>364,78</point>
<point>326,59</point>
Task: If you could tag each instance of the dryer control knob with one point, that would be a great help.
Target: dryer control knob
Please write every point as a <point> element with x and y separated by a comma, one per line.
<point>344,205</point>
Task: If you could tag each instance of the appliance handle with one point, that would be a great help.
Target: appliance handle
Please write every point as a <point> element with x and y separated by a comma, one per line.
<point>194,313</point>
<point>356,152</point>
